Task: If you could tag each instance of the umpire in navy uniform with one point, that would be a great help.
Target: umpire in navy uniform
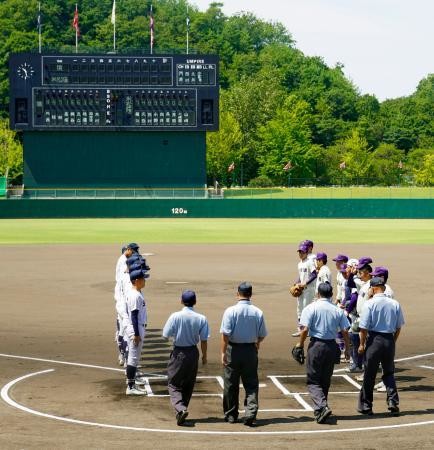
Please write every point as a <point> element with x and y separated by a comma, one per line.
<point>322,320</point>
<point>380,324</point>
<point>242,330</point>
<point>186,327</point>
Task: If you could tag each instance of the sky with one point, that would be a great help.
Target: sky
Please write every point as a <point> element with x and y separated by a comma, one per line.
<point>386,46</point>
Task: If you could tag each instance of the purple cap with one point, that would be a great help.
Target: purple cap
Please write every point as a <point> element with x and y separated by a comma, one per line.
<point>307,242</point>
<point>321,256</point>
<point>363,261</point>
<point>303,248</point>
<point>340,258</point>
<point>343,268</point>
<point>381,271</point>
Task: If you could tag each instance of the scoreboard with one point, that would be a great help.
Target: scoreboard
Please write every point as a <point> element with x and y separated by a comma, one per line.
<point>114,92</point>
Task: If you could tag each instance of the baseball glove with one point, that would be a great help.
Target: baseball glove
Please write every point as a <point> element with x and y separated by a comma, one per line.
<point>298,354</point>
<point>295,290</point>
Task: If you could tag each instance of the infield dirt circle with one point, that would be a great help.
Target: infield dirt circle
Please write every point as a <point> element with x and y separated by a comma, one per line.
<point>57,307</point>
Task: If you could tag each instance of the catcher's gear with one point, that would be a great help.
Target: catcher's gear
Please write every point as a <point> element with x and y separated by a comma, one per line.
<point>298,354</point>
<point>296,290</point>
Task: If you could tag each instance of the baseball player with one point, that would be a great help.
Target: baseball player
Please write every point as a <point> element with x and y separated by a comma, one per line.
<point>135,328</point>
<point>306,277</point>
<point>339,260</point>
<point>323,272</point>
<point>382,272</point>
<point>309,245</point>
<point>121,270</point>
<point>187,328</point>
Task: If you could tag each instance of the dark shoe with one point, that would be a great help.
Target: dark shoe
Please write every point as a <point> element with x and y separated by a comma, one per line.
<point>230,419</point>
<point>181,416</point>
<point>249,421</point>
<point>366,412</point>
<point>323,414</point>
<point>394,409</point>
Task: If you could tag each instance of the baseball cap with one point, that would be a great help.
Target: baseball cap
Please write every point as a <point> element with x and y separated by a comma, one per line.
<point>376,281</point>
<point>353,262</point>
<point>343,268</point>
<point>321,256</point>
<point>137,274</point>
<point>133,246</point>
<point>124,247</point>
<point>340,257</point>
<point>307,242</point>
<point>363,261</point>
<point>380,271</point>
<point>133,259</point>
<point>303,248</point>
<point>245,288</point>
<point>188,297</point>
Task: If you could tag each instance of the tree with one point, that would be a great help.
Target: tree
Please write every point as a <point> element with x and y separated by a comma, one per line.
<point>425,175</point>
<point>386,162</point>
<point>11,152</point>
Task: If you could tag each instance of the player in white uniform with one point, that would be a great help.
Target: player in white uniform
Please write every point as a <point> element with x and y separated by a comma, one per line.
<point>340,280</point>
<point>121,268</point>
<point>135,328</point>
<point>323,272</point>
<point>306,280</point>
<point>309,245</point>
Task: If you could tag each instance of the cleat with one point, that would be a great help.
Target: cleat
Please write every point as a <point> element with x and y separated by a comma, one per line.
<point>134,391</point>
<point>360,377</point>
<point>394,409</point>
<point>181,416</point>
<point>141,381</point>
<point>380,387</point>
<point>323,414</point>
<point>354,369</point>
<point>366,412</point>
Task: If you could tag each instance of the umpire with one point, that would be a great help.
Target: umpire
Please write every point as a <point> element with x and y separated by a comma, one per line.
<point>186,327</point>
<point>242,330</point>
<point>380,324</point>
<point>322,320</point>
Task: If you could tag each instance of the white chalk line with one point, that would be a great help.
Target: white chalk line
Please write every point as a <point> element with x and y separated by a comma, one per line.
<point>427,367</point>
<point>5,396</point>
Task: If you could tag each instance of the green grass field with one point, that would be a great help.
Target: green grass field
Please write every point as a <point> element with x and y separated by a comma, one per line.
<point>333,192</point>
<point>214,231</point>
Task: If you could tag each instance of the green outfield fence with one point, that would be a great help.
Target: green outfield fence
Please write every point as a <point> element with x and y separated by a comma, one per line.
<point>209,208</point>
<point>3,186</point>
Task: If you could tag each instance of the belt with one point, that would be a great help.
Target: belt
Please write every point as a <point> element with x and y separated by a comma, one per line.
<point>314,339</point>
<point>235,344</point>
<point>187,347</point>
<point>375,333</point>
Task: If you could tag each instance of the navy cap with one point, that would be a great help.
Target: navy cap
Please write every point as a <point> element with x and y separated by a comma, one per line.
<point>133,259</point>
<point>341,258</point>
<point>133,246</point>
<point>364,261</point>
<point>137,274</point>
<point>377,281</point>
<point>136,265</point>
<point>321,256</point>
<point>245,288</point>
<point>188,297</point>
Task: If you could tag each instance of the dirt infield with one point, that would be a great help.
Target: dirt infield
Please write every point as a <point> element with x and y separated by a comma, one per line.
<point>57,307</point>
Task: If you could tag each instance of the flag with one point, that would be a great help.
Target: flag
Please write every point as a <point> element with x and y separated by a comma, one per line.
<point>151,27</point>
<point>288,166</point>
<point>342,165</point>
<point>75,21</point>
<point>231,167</point>
<point>400,165</point>
<point>113,20</point>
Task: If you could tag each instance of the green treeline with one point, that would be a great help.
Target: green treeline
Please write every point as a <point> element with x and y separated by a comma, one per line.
<point>277,105</point>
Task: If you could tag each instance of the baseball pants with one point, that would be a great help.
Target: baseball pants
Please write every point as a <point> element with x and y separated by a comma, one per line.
<point>321,355</point>
<point>135,351</point>
<point>380,348</point>
<point>242,363</point>
<point>181,376</point>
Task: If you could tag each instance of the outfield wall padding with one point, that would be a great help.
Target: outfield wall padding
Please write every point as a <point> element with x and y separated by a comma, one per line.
<point>270,208</point>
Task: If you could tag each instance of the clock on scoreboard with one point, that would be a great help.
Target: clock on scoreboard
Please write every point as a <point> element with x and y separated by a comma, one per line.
<point>114,92</point>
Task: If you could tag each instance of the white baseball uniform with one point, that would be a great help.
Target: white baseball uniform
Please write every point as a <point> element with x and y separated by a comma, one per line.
<point>305,269</point>
<point>135,302</point>
<point>324,276</point>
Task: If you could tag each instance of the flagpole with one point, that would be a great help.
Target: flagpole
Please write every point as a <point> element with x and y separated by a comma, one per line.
<point>188,29</point>
<point>39,28</point>
<point>152,31</point>
<point>76,31</point>
<point>113,21</point>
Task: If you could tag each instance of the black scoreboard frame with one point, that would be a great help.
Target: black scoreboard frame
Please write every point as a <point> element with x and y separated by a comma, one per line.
<point>168,92</point>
